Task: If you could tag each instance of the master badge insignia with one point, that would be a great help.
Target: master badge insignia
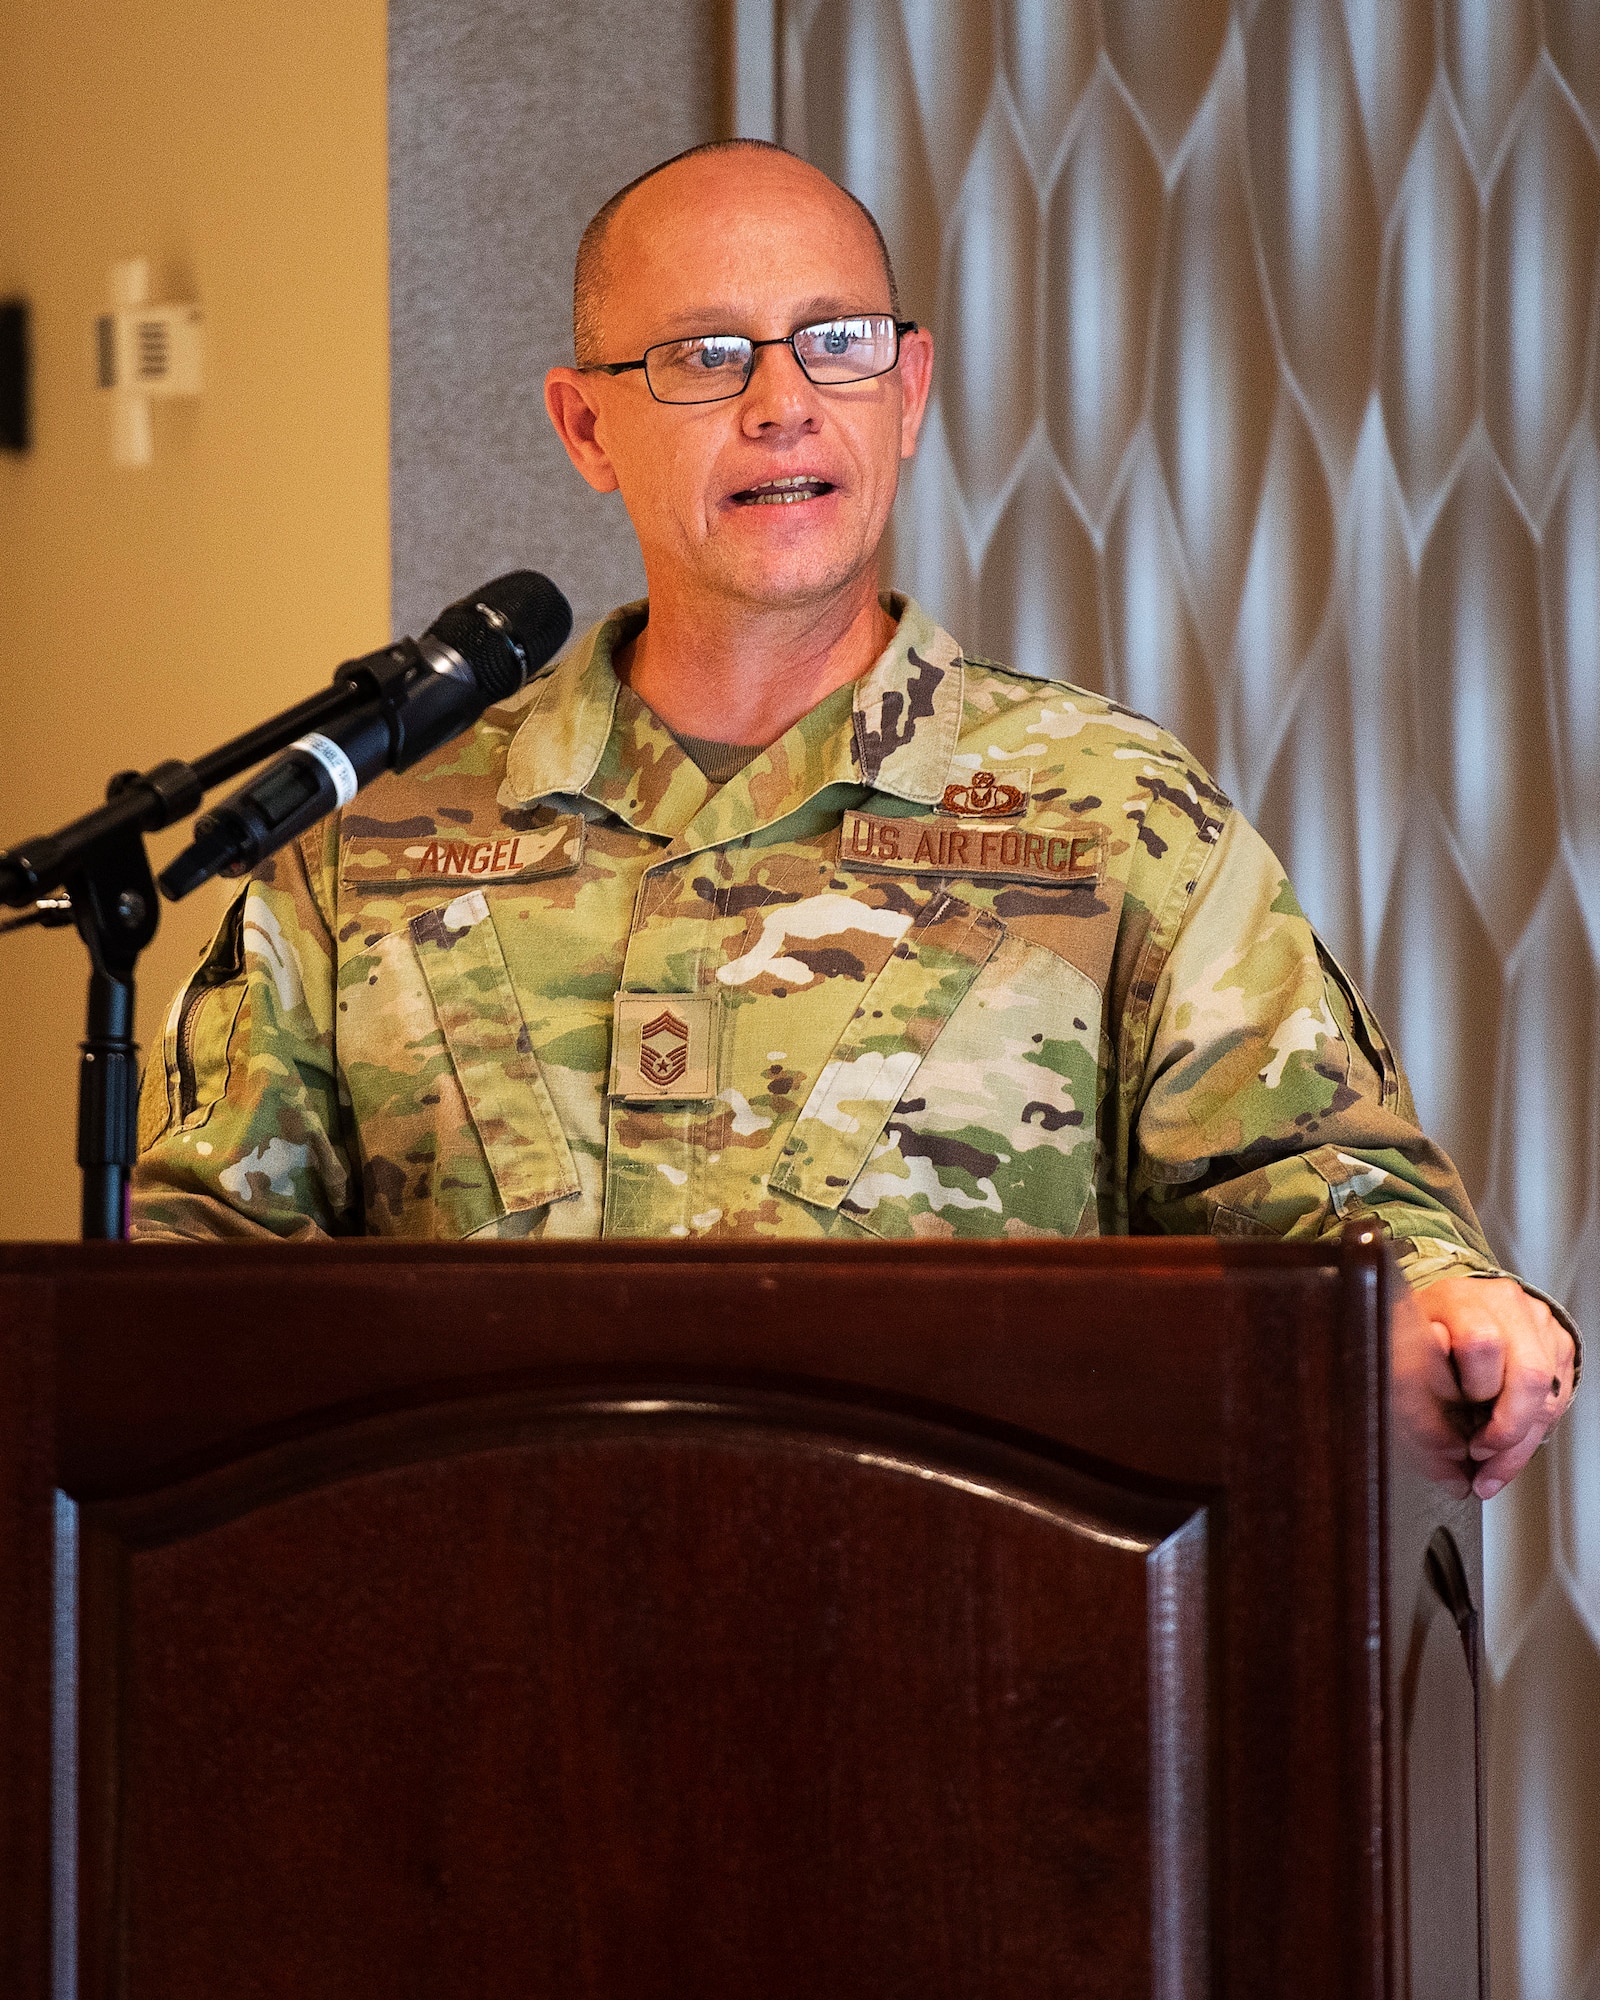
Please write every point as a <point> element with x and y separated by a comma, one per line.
<point>664,1047</point>
<point>984,798</point>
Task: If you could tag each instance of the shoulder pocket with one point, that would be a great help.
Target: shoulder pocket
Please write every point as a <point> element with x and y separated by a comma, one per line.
<point>479,1015</point>
<point>898,1021</point>
<point>194,1043</point>
<point>1359,1026</point>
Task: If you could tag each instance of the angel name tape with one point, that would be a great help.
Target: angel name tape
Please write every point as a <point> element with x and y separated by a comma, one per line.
<point>440,858</point>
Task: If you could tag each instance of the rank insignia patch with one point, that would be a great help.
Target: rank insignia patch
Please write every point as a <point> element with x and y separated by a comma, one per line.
<point>664,1047</point>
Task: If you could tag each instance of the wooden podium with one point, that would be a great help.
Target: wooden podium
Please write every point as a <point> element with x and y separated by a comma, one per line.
<point>644,1620</point>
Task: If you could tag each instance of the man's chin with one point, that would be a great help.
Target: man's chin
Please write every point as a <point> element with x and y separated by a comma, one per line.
<point>777,586</point>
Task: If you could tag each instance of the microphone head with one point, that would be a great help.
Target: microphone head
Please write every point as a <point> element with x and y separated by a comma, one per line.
<point>507,630</point>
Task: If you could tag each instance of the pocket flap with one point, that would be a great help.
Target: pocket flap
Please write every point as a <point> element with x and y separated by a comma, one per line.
<point>195,1040</point>
<point>1360,1026</point>
<point>899,1020</point>
<point>481,1020</point>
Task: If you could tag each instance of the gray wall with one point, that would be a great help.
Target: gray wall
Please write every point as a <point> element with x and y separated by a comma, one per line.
<point>509,125</point>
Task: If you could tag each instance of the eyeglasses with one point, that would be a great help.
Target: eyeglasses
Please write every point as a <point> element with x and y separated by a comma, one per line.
<point>710,367</point>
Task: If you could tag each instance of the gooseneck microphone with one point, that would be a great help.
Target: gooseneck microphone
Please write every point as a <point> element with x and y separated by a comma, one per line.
<point>381,713</point>
<point>403,702</point>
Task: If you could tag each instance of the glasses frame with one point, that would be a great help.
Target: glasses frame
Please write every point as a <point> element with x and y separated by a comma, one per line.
<point>901,328</point>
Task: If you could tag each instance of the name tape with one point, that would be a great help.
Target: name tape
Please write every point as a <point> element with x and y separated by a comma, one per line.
<point>554,849</point>
<point>1066,857</point>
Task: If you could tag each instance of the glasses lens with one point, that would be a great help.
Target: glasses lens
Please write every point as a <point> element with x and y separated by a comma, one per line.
<point>702,370</point>
<point>847,350</point>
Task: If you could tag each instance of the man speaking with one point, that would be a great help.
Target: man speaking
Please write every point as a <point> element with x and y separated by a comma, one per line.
<point>767,912</point>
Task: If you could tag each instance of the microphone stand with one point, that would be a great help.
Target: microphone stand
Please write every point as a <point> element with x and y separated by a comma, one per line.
<point>95,874</point>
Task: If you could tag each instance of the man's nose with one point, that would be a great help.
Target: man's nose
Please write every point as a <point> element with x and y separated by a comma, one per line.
<point>779,391</point>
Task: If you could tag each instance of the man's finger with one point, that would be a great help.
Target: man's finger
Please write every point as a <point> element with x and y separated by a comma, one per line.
<point>1526,1403</point>
<point>1533,1399</point>
<point>1438,1450</point>
<point>1425,1395</point>
<point>1498,1471</point>
<point>1477,1354</point>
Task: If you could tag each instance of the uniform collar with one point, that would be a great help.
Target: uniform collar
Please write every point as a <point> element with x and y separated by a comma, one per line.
<point>583,734</point>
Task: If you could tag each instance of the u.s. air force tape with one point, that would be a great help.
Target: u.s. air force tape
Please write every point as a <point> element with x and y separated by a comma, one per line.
<point>1068,856</point>
<point>333,760</point>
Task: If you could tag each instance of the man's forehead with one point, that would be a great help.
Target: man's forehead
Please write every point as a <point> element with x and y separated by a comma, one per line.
<point>741,230</point>
<point>752,184</point>
<point>713,314</point>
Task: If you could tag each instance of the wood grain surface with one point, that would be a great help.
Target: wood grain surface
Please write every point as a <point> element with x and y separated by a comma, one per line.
<point>605,1620</point>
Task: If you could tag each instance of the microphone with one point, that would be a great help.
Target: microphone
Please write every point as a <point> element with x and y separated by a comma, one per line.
<point>401,703</point>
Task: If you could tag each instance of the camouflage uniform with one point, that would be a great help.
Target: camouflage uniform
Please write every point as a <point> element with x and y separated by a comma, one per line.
<point>963,954</point>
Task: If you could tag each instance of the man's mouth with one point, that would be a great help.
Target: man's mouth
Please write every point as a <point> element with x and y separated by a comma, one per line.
<point>782,492</point>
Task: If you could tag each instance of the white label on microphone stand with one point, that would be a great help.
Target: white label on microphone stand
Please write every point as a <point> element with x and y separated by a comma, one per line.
<point>333,760</point>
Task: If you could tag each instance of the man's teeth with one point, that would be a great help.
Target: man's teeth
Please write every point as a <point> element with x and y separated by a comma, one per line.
<point>783,492</point>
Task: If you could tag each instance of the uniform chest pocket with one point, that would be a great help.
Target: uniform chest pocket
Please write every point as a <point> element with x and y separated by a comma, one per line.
<point>993,1129</point>
<point>900,1018</point>
<point>524,1150</point>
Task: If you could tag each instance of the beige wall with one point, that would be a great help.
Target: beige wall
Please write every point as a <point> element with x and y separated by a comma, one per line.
<point>152,613</point>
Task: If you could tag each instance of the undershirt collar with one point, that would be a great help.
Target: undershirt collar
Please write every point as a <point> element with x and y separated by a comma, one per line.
<point>717,761</point>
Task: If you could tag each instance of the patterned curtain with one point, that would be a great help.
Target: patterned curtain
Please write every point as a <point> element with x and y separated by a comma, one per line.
<point>1269,402</point>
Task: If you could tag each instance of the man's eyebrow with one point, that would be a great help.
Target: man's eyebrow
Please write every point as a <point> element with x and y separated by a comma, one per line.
<point>728,319</point>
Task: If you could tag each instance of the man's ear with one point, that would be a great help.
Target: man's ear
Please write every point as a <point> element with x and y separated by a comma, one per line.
<point>916,381</point>
<point>570,395</point>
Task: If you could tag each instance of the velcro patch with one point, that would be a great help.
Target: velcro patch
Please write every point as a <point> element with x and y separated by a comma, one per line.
<point>440,859</point>
<point>1064,856</point>
<point>664,1047</point>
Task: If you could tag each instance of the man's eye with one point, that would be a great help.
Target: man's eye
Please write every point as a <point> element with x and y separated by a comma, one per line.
<point>837,340</point>
<point>716,354</point>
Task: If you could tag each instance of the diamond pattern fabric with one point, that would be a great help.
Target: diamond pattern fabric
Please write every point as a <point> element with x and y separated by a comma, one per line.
<point>1315,209</point>
<point>1166,51</point>
<point>1489,48</point>
<point>1268,401</point>
<point>1049,51</point>
<point>992,256</point>
<point>1102,233</point>
<point>1539,265</point>
<point>1216,376</point>
<point>1392,56</point>
<point>1570,566</point>
<point>1430,346</point>
<point>1485,748</point>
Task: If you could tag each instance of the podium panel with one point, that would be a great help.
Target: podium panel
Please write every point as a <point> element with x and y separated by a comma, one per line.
<point>606,1620</point>
<point>727,1695</point>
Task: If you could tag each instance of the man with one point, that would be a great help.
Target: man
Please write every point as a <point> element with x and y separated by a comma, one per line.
<point>767,913</point>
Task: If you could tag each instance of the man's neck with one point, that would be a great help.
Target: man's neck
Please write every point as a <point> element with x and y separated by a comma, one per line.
<point>720,672</point>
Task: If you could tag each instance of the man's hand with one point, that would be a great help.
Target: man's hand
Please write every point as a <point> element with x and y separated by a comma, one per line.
<point>1482,1371</point>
